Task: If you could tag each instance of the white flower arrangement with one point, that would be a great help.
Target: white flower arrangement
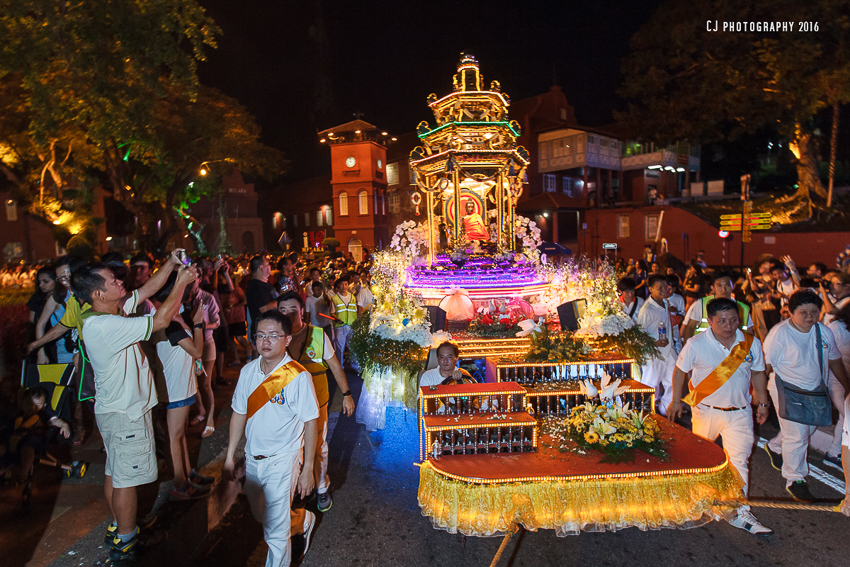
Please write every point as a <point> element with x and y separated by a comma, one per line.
<point>410,239</point>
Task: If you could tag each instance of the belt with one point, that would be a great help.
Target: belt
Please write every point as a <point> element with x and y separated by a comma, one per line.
<point>723,409</point>
<point>261,457</point>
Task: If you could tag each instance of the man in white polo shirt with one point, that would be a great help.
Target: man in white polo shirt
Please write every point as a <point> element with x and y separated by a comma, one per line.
<point>724,362</point>
<point>275,408</point>
<point>655,317</point>
<point>125,390</point>
<point>791,351</point>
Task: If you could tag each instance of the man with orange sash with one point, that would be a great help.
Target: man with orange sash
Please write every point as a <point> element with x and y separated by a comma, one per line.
<point>723,362</point>
<point>312,348</point>
<point>275,407</point>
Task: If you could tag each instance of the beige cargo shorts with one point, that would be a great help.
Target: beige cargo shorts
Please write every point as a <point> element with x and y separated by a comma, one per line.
<point>130,450</point>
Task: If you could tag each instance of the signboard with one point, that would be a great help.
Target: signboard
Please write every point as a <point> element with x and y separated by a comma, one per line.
<point>609,245</point>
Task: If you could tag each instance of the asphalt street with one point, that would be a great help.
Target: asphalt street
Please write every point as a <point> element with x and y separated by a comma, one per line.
<point>375,520</point>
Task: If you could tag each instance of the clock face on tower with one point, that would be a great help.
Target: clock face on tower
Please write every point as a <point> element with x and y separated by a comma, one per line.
<point>380,164</point>
<point>350,161</point>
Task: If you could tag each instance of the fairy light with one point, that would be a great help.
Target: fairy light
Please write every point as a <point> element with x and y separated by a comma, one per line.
<point>438,467</point>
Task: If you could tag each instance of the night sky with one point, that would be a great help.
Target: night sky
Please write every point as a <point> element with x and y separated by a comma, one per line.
<point>304,66</point>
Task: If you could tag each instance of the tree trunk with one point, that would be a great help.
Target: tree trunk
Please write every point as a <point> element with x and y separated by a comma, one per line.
<point>808,167</point>
<point>832,143</point>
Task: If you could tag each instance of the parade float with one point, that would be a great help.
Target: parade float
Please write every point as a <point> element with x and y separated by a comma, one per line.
<point>558,433</point>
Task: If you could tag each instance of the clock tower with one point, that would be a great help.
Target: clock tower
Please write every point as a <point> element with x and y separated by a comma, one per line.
<point>359,184</point>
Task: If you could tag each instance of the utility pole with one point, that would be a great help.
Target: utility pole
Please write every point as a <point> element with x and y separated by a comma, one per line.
<point>746,232</point>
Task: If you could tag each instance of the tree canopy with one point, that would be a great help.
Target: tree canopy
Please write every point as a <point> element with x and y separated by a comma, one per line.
<point>107,91</point>
<point>685,81</point>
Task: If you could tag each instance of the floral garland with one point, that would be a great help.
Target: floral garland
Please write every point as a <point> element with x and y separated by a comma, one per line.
<point>490,325</point>
<point>632,343</point>
<point>612,429</point>
<point>373,350</point>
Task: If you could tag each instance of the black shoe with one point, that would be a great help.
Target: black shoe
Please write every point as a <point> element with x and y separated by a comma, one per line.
<point>775,458</point>
<point>111,532</point>
<point>123,550</point>
<point>325,501</point>
<point>799,491</point>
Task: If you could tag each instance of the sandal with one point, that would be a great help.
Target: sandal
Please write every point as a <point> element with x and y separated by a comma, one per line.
<point>197,419</point>
<point>208,430</point>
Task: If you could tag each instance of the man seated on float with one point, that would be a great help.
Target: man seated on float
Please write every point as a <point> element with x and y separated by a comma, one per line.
<point>724,362</point>
<point>446,373</point>
<point>473,224</point>
<point>696,320</point>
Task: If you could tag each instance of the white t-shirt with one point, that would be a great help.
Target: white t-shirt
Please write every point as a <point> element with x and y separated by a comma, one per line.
<point>650,316</point>
<point>431,378</point>
<point>702,354</point>
<point>365,297</point>
<point>842,341</point>
<point>176,362</point>
<point>792,353</point>
<point>278,427</point>
<point>827,318</point>
<point>628,308</point>
<point>121,374</point>
<point>695,314</point>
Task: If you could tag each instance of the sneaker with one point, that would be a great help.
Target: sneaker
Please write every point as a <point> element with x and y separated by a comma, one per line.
<point>301,543</point>
<point>325,501</point>
<point>831,461</point>
<point>201,479</point>
<point>799,491</point>
<point>775,458</point>
<point>746,521</point>
<point>123,550</point>
<point>190,491</point>
<point>111,532</point>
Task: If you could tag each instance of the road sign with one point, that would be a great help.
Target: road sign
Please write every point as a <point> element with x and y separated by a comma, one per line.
<point>730,217</point>
<point>609,245</point>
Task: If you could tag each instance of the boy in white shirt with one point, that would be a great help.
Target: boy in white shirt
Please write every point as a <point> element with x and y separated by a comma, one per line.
<point>628,298</point>
<point>275,407</point>
<point>654,314</point>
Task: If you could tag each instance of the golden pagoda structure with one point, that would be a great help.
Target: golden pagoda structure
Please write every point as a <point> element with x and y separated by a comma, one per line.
<point>469,165</point>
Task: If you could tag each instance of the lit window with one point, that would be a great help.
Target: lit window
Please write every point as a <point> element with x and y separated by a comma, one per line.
<point>329,216</point>
<point>343,204</point>
<point>363,202</point>
<point>319,218</point>
<point>392,173</point>
<point>549,183</point>
<point>623,226</point>
<point>395,203</point>
<point>568,186</point>
<point>306,219</point>
<point>11,210</point>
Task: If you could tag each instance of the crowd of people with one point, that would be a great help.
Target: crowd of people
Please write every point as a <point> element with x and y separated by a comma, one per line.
<point>156,334</point>
<point>779,335</point>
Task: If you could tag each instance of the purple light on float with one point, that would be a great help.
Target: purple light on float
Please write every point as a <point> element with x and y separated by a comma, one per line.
<point>493,277</point>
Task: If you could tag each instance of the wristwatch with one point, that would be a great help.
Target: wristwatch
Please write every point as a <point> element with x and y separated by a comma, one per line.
<point>200,325</point>
<point>348,393</point>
